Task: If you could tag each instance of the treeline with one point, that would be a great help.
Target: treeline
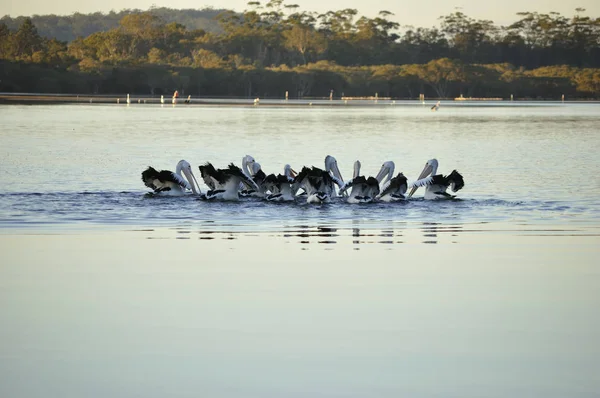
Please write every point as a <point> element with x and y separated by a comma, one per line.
<point>69,27</point>
<point>442,78</point>
<point>267,51</point>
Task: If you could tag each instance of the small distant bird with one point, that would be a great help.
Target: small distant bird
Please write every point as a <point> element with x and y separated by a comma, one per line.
<point>436,106</point>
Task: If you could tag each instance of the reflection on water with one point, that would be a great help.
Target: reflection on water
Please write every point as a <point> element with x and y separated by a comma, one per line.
<point>346,235</point>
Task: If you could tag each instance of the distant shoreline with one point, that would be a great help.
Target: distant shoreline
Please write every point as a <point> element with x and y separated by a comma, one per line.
<point>121,99</point>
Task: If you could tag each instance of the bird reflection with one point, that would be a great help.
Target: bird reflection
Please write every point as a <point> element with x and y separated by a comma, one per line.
<point>357,233</point>
<point>312,234</point>
<point>385,236</point>
<point>430,230</point>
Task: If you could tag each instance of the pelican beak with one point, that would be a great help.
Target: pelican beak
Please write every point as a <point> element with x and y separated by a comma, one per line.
<point>293,173</point>
<point>385,173</point>
<point>254,184</point>
<point>336,172</point>
<point>426,171</point>
<point>356,169</point>
<point>247,162</point>
<point>382,173</point>
<point>199,190</point>
<point>192,179</point>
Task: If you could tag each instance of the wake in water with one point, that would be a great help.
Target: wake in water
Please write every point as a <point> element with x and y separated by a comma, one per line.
<point>142,209</point>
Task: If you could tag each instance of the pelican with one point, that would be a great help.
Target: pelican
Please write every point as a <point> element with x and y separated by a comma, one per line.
<point>280,186</point>
<point>247,162</point>
<point>207,171</point>
<point>173,183</point>
<point>437,184</point>
<point>331,167</point>
<point>364,190</point>
<point>436,106</point>
<point>392,189</point>
<point>224,183</point>
<point>318,184</point>
<point>252,169</point>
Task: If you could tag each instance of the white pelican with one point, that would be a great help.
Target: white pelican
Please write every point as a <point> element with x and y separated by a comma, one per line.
<point>436,106</point>
<point>224,183</point>
<point>252,169</point>
<point>280,186</point>
<point>437,184</point>
<point>386,172</point>
<point>364,190</point>
<point>392,189</point>
<point>332,168</point>
<point>318,184</point>
<point>169,182</point>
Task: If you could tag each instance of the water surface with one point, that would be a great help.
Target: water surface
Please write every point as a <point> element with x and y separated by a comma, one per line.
<point>108,291</point>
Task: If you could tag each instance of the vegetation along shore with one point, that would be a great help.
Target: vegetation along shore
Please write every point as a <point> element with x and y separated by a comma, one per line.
<point>268,50</point>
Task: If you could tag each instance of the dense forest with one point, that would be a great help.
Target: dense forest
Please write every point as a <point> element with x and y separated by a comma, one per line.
<point>69,27</point>
<point>267,50</point>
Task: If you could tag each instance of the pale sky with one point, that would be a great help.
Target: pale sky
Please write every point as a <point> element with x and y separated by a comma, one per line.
<point>417,13</point>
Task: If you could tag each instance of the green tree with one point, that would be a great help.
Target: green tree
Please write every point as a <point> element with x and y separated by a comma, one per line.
<point>422,45</point>
<point>207,59</point>
<point>588,81</point>
<point>471,38</point>
<point>144,25</point>
<point>438,74</point>
<point>27,40</point>
<point>156,56</point>
<point>6,46</point>
<point>305,40</point>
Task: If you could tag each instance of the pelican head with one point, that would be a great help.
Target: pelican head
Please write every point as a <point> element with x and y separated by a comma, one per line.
<point>184,167</point>
<point>331,167</point>
<point>247,162</point>
<point>386,172</point>
<point>430,169</point>
<point>289,172</point>
<point>255,168</point>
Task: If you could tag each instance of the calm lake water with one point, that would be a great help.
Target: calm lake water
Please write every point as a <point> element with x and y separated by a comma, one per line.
<point>108,291</point>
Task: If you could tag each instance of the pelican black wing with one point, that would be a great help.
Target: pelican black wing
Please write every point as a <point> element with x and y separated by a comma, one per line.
<point>148,176</point>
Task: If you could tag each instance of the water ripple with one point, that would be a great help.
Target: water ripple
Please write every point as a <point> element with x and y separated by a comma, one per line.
<point>130,208</point>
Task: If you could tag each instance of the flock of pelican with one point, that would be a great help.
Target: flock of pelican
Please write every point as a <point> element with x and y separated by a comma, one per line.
<point>313,184</point>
